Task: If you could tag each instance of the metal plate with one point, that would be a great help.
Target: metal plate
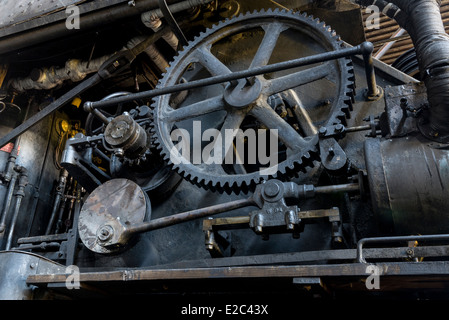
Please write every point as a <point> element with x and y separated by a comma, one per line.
<point>16,266</point>
<point>116,200</point>
<point>17,11</point>
<point>401,122</point>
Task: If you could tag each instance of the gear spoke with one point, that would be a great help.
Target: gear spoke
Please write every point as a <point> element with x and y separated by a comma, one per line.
<point>194,110</point>
<point>210,62</point>
<point>230,125</point>
<point>297,79</point>
<point>263,55</point>
<point>233,121</point>
<point>265,114</point>
<point>234,40</point>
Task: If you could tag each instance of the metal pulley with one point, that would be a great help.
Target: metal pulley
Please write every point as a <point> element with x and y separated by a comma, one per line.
<point>116,202</point>
<point>125,134</point>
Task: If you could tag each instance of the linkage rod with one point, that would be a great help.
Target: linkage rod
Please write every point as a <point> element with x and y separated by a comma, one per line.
<point>364,48</point>
<point>189,215</point>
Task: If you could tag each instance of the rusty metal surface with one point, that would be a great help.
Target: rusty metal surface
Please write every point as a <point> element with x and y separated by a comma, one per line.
<point>130,277</point>
<point>116,200</point>
<point>399,106</point>
<point>17,11</point>
<point>16,266</point>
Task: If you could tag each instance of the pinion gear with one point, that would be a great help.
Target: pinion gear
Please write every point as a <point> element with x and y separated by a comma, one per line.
<point>324,92</point>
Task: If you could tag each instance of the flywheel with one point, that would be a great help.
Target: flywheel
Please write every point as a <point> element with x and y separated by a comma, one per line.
<point>315,95</point>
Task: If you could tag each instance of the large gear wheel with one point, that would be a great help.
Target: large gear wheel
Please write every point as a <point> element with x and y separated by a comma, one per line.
<point>323,92</point>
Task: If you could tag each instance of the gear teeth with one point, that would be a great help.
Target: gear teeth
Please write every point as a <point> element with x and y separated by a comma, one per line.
<point>291,166</point>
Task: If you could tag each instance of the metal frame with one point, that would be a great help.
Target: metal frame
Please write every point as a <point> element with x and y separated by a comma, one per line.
<point>290,267</point>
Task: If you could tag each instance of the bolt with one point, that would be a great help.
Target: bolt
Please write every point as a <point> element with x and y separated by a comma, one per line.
<point>271,189</point>
<point>338,239</point>
<point>404,103</point>
<point>105,233</point>
<point>339,127</point>
<point>119,152</point>
<point>322,131</point>
<point>119,129</point>
<point>290,219</point>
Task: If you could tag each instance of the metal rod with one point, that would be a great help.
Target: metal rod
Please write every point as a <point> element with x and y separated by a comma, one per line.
<point>9,195</point>
<point>43,246</point>
<point>338,188</point>
<point>358,128</point>
<point>302,115</point>
<point>189,215</point>
<point>100,116</point>
<point>322,57</point>
<point>58,103</point>
<point>373,90</point>
<point>361,242</point>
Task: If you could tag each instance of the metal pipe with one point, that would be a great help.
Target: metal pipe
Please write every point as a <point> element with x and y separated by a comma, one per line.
<point>9,195</point>
<point>59,193</point>
<point>10,176</point>
<point>387,8</point>
<point>20,194</point>
<point>432,50</point>
<point>422,20</point>
<point>174,8</point>
<point>104,73</point>
<point>88,20</point>
<point>364,48</point>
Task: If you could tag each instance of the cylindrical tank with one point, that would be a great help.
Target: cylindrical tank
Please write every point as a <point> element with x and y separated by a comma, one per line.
<point>409,184</point>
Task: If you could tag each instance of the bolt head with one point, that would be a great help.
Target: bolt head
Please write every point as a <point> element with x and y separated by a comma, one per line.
<point>271,189</point>
<point>105,233</point>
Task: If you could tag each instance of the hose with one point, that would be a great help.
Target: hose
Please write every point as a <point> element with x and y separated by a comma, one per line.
<point>432,49</point>
<point>422,20</point>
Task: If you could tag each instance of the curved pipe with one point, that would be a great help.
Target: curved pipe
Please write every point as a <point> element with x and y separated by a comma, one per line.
<point>422,20</point>
<point>432,49</point>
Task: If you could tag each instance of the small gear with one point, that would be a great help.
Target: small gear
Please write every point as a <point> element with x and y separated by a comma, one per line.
<point>324,92</point>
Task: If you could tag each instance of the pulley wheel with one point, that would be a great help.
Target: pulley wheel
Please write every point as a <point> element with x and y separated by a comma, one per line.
<point>116,200</point>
